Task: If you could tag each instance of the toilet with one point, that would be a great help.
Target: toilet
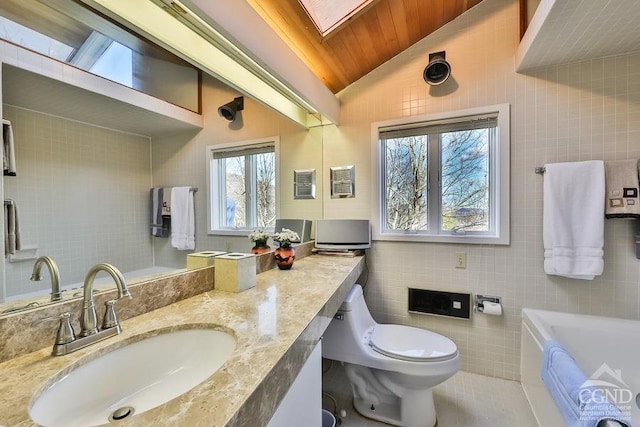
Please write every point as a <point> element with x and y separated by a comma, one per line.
<point>392,368</point>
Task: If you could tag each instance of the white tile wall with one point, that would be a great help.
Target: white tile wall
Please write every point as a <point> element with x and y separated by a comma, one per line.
<point>82,193</point>
<point>181,160</point>
<point>582,111</point>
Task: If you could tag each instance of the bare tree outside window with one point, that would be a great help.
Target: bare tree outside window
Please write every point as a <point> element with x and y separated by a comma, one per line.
<point>249,182</point>
<point>243,179</point>
<point>236,191</point>
<point>443,177</point>
<point>406,183</point>
<point>266,186</point>
<point>465,180</point>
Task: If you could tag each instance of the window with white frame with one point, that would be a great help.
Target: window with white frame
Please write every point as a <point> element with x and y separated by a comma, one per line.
<point>243,180</point>
<point>443,178</point>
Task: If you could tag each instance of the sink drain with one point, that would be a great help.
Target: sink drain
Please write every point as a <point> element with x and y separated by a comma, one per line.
<point>121,413</point>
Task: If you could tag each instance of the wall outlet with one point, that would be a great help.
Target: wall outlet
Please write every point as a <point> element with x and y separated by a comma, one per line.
<point>461,260</point>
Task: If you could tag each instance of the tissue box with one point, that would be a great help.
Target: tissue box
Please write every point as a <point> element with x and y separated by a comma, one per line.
<point>235,272</point>
<point>202,259</point>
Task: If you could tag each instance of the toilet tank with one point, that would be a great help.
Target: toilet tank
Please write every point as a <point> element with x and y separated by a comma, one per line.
<point>344,338</point>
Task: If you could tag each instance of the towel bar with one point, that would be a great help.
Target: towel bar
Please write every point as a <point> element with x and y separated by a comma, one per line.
<point>8,202</point>
<point>540,170</point>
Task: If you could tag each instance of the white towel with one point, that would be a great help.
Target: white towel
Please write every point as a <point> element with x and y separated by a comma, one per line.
<point>8,149</point>
<point>182,219</point>
<point>11,228</point>
<point>573,219</point>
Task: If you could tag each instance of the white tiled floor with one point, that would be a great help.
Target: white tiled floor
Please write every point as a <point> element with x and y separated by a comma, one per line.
<point>466,400</point>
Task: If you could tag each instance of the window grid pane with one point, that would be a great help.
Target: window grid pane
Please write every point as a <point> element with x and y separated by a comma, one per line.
<point>406,180</point>
<point>235,192</point>
<point>245,188</point>
<point>266,189</point>
<point>459,160</point>
<point>465,181</point>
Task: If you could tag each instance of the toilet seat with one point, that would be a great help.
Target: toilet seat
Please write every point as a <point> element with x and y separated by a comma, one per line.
<point>411,344</point>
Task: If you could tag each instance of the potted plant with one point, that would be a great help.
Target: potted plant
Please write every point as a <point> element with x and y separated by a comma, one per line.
<point>285,254</point>
<point>259,239</point>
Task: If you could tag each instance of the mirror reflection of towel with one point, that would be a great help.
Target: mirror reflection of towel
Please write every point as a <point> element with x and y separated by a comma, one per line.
<point>8,149</point>
<point>159,224</point>
<point>182,219</point>
<point>11,229</point>
<point>166,202</point>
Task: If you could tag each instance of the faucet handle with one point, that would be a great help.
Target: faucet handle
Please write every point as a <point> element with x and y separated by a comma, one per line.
<point>110,319</point>
<point>65,334</point>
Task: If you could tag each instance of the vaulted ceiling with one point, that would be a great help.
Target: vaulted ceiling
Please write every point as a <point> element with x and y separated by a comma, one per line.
<point>367,40</point>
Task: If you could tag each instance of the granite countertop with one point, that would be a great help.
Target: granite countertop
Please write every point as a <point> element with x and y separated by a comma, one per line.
<point>276,325</point>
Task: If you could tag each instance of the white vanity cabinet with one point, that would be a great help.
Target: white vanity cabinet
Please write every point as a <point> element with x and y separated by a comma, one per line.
<point>302,405</point>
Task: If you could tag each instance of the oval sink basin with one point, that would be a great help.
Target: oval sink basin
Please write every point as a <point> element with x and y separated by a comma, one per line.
<point>132,379</point>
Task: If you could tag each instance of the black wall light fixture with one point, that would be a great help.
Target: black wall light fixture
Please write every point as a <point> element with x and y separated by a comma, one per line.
<point>229,110</point>
<point>438,70</point>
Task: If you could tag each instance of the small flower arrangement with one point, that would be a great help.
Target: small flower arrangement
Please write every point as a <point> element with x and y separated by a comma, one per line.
<point>285,237</point>
<point>259,237</point>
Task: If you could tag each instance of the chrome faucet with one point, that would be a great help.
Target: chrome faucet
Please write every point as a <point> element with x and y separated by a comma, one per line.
<point>56,295</point>
<point>89,318</point>
<point>66,340</point>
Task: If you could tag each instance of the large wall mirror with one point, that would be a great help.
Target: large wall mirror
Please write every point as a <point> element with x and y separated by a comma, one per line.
<point>82,190</point>
<point>85,165</point>
<point>89,150</point>
<point>79,188</point>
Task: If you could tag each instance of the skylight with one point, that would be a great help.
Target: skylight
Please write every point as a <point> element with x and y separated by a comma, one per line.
<point>33,40</point>
<point>99,54</point>
<point>116,63</point>
<point>328,15</point>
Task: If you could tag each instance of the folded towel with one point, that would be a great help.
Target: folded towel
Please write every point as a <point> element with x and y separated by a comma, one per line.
<point>573,219</point>
<point>580,402</point>
<point>8,149</point>
<point>160,225</point>
<point>11,229</point>
<point>622,189</point>
<point>182,219</point>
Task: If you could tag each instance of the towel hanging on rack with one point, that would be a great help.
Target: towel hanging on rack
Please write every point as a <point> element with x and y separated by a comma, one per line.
<point>573,219</point>
<point>160,224</point>
<point>622,189</point>
<point>11,228</point>
<point>8,149</point>
<point>182,219</point>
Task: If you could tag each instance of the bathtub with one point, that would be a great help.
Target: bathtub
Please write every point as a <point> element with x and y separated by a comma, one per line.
<point>592,341</point>
<point>101,282</point>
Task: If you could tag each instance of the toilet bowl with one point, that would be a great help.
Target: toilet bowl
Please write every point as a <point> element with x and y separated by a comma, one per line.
<point>392,368</point>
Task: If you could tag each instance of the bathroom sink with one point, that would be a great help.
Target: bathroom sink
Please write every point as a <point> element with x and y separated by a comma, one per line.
<point>132,379</point>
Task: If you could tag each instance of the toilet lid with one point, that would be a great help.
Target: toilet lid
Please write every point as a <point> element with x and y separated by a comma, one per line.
<point>412,344</point>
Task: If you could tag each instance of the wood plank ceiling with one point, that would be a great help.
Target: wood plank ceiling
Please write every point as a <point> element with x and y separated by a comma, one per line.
<point>367,40</point>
